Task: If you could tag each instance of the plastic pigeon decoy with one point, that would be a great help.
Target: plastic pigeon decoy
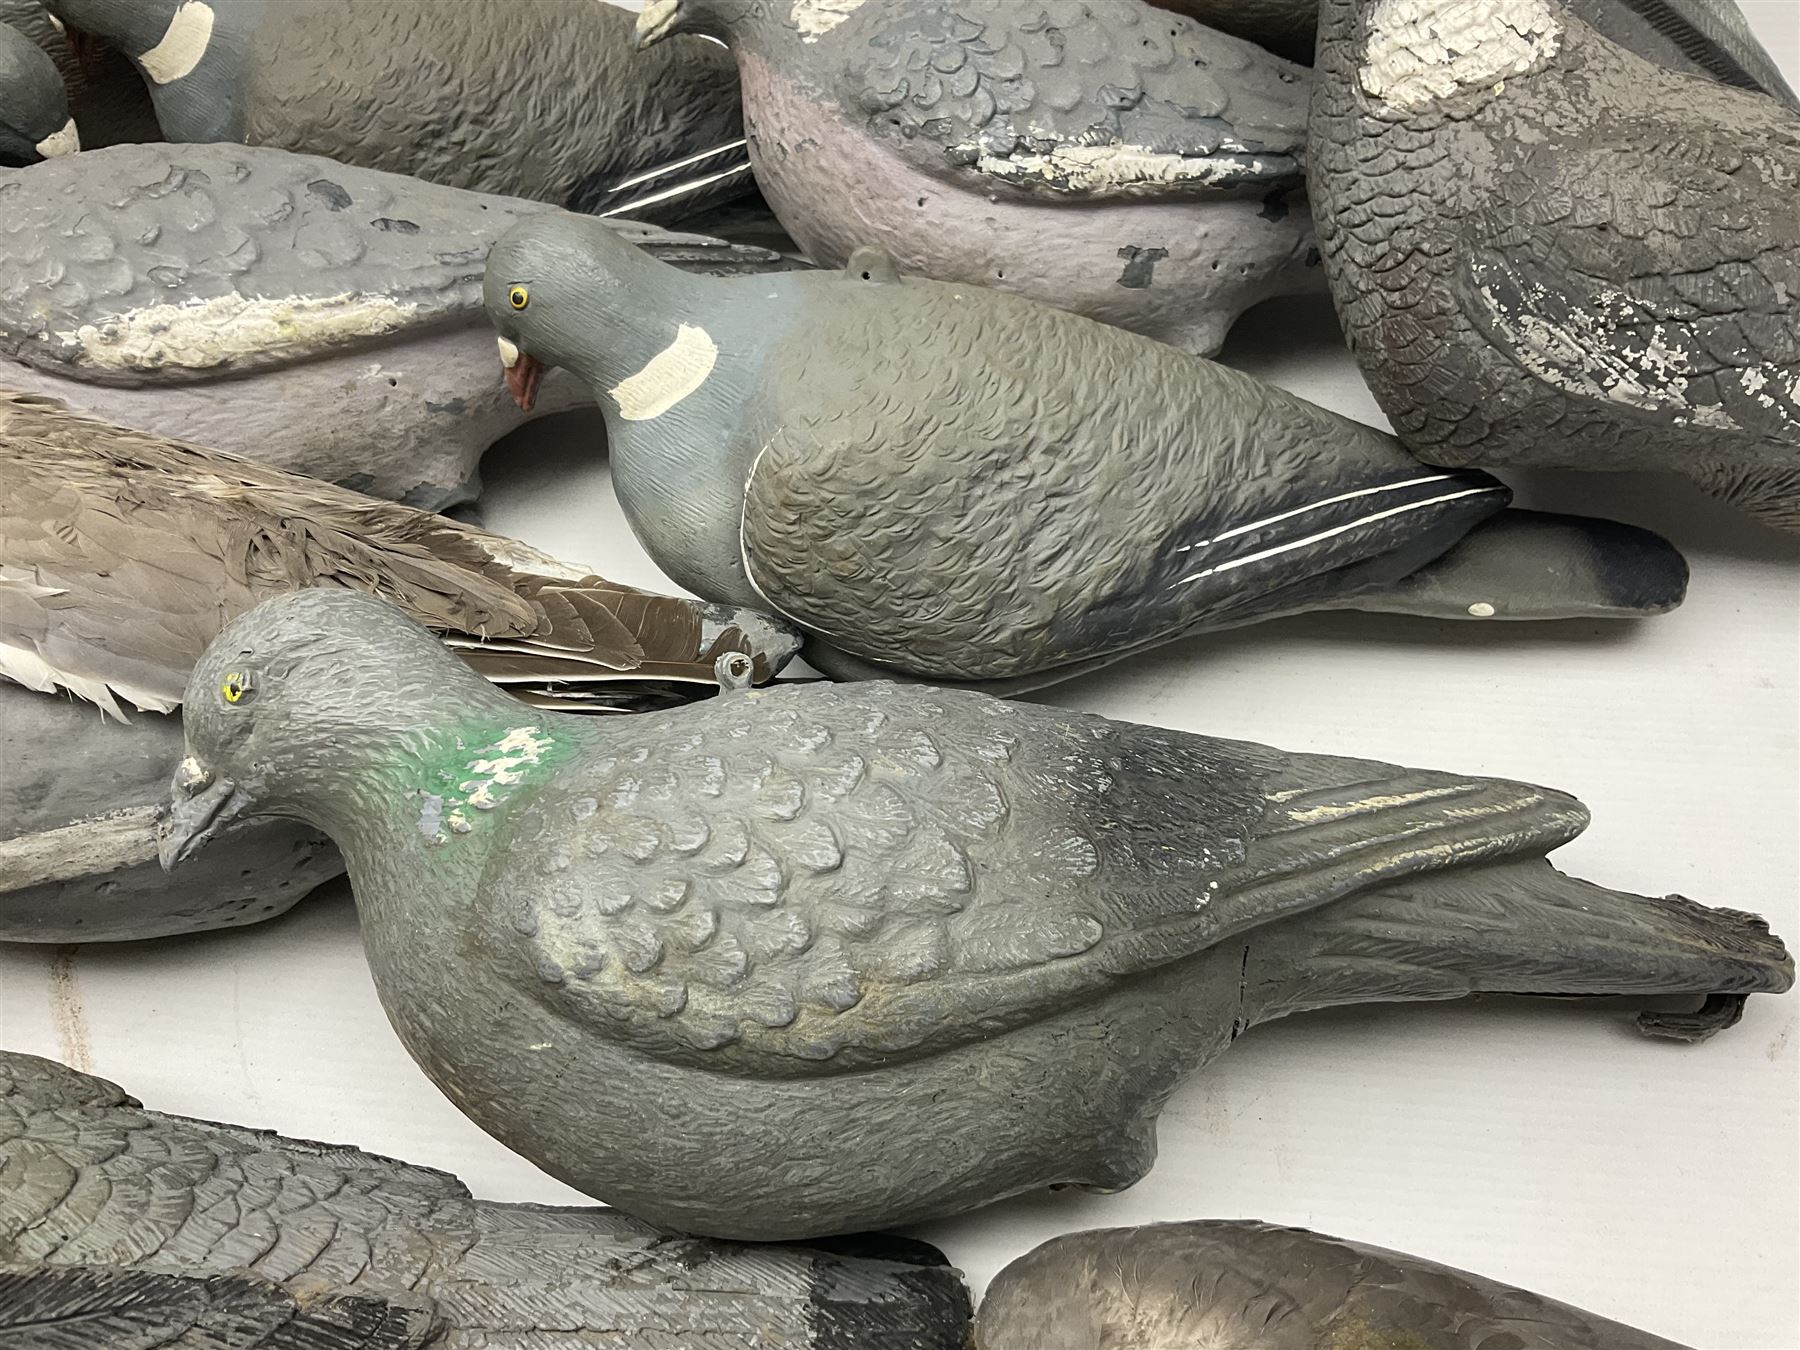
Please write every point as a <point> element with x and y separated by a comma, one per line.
<point>841,956</point>
<point>1184,1286</point>
<point>959,484</point>
<point>1113,159</point>
<point>127,1229</point>
<point>323,318</point>
<point>1617,288</point>
<point>533,98</point>
<point>121,557</point>
<point>34,107</point>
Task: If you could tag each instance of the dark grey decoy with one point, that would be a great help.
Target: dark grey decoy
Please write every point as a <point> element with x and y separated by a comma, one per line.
<point>1224,1283</point>
<point>825,957</point>
<point>323,318</point>
<point>127,1229</point>
<point>121,557</point>
<point>533,98</point>
<point>1100,155</point>
<point>1618,286</point>
<point>959,484</point>
<point>34,107</point>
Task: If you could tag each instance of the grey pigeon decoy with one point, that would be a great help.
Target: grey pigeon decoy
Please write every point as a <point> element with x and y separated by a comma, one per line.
<point>1189,1286</point>
<point>105,94</point>
<point>827,957</point>
<point>1617,287</point>
<point>322,318</point>
<point>1100,155</point>
<point>532,98</point>
<point>34,107</point>
<point>121,557</point>
<point>127,1229</point>
<point>960,484</point>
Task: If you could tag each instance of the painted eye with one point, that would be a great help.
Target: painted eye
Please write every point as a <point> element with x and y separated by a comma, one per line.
<point>518,297</point>
<point>236,688</point>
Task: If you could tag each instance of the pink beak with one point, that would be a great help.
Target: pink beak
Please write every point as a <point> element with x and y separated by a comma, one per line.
<point>522,379</point>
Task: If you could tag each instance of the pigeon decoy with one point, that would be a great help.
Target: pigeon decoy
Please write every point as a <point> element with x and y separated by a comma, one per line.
<point>959,484</point>
<point>534,98</point>
<point>105,95</point>
<point>121,557</point>
<point>1184,1286</point>
<point>323,318</point>
<point>1617,287</point>
<point>1110,158</point>
<point>127,1229</point>
<point>34,107</point>
<point>836,956</point>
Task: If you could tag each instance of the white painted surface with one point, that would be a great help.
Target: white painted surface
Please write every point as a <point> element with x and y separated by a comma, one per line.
<point>668,377</point>
<point>65,140</point>
<point>183,44</point>
<point>1420,51</point>
<point>1542,1143</point>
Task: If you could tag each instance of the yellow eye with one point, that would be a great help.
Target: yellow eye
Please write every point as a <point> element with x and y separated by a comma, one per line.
<point>235,688</point>
<point>518,297</point>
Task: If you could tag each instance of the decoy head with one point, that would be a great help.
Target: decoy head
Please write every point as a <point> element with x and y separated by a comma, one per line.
<point>34,106</point>
<point>715,19</point>
<point>298,707</point>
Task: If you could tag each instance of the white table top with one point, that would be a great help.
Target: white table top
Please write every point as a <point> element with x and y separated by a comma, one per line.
<point>1542,1143</point>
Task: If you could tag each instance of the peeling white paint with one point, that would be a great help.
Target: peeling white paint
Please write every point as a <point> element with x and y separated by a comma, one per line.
<point>203,334</point>
<point>65,140</point>
<point>183,43</point>
<point>1096,168</point>
<point>670,376</point>
<point>815,18</point>
<point>1420,51</point>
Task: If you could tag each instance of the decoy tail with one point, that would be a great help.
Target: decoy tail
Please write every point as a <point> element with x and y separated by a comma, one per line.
<point>1521,928</point>
<point>1536,565</point>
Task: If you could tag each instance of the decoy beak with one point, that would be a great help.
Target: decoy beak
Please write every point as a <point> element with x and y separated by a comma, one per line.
<point>200,807</point>
<point>65,140</point>
<point>523,374</point>
<point>656,21</point>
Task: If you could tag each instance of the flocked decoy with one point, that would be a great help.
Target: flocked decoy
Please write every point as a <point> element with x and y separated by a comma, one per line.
<point>1617,287</point>
<point>1189,1286</point>
<point>534,98</point>
<point>122,555</point>
<point>956,483</point>
<point>837,956</point>
<point>34,107</point>
<point>1108,157</point>
<point>127,1229</point>
<point>320,317</point>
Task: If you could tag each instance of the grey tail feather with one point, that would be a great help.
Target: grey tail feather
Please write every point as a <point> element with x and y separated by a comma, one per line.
<point>1525,928</point>
<point>1520,564</point>
<point>1766,487</point>
<point>1719,42</point>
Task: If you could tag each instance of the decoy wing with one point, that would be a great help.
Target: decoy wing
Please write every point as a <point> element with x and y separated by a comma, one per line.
<point>1158,106</point>
<point>862,887</point>
<point>122,555</point>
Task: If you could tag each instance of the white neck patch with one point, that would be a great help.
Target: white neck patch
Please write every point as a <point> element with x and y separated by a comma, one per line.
<point>670,376</point>
<point>1421,51</point>
<point>815,18</point>
<point>183,44</point>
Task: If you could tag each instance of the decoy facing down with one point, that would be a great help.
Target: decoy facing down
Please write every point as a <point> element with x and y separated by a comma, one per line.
<point>320,317</point>
<point>1225,1283</point>
<point>959,484</point>
<point>533,98</point>
<point>121,557</point>
<point>127,1229</point>
<point>1619,287</point>
<point>841,956</point>
<point>1113,159</point>
<point>34,107</point>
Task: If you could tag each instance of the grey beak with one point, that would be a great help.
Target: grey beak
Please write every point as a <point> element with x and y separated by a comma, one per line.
<point>200,806</point>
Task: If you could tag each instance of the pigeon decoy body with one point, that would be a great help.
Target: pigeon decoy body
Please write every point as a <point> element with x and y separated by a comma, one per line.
<point>1619,284</point>
<point>121,557</point>
<point>837,956</point>
<point>533,98</point>
<point>1185,1286</point>
<point>1100,155</point>
<point>127,1229</point>
<point>320,317</point>
<point>34,107</point>
<point>960,484</point>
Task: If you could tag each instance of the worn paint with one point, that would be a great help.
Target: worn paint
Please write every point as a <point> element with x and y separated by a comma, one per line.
<point>1420,51</point>
<point>65,140</point>
<point>183,44</point>
<point>1101,168</point>
<point>458,779</point>
<point>670,376</point>
<point>815,18</point>
<point>1140,265</point>
<point>221,331</point>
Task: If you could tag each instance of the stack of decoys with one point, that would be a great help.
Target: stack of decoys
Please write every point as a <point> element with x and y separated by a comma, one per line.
<point>34,107</point>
